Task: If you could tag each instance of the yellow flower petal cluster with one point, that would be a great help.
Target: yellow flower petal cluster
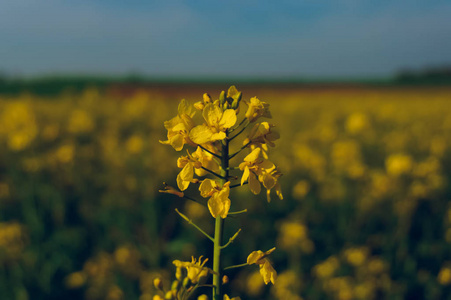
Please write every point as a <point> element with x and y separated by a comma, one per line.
<point>262,133</point>
<point>219,202</point>
<point>195,269</point>
<point>217,121</point>
<point>180,126</point>
<point>257,109</point>
<point>266,270</point>
<point>257,169</point>
<point>191,164</point>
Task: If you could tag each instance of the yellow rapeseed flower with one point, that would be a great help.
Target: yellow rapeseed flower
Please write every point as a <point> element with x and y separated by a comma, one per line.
<point>257,109</point>
<point>217,121</point>
<point>256,169</point>
<point>219,202</point>
<point>180,126</point>
<point>266,270</point>
<point>195,269</point>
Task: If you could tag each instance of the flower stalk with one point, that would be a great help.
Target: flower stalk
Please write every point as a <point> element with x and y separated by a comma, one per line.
<point>211,160</point>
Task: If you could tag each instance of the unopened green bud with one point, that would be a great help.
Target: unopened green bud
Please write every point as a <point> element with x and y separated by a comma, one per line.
<point>222,98</point>
<point>186,282</point>
<point>236,101</point>
<point>175,285</point>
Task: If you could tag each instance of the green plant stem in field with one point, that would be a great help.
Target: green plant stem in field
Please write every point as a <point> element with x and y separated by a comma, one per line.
<point>219,223</point>
<point>236,266</point>
<point>194,225</point>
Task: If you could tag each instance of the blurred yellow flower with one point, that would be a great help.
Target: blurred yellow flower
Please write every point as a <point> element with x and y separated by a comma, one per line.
<point>75,280</point>
<point>356,256</point>
<point>134,144</point>
<point>80,121</point>
<point>195,269</point>
<point>356,123</point>
<point>398,164</point>
<point>327,268</point>
<point>444,276</point>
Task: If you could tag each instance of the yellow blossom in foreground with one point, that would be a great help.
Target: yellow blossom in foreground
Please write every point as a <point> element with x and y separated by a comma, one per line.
<point>257,169</point>
<point>257,109</point>
<point>219,202</point>
<point>180,126</point>
<point>266,270</point>
<point>262,133</point>
<point>217,122</point>
<point>201,104</point>
<point>195,269</point>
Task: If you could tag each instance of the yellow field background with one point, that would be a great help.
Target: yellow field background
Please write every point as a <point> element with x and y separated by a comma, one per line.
<point>366,214</point>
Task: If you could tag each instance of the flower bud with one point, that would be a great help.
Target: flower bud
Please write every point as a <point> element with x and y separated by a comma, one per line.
<point>236,101</point>
<point>178,273</point>
<point>222,98</point>
<point>175,285</point>
<point>158,283</point>
<point>186,282</point>
<point>225,279</point>
<point>169,295</point>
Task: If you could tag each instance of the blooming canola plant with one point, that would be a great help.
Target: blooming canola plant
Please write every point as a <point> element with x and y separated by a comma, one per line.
<point>212,140</point>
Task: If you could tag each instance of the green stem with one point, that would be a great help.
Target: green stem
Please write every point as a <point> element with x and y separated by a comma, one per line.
<point>234,154</point>
<point>214,173</point>
<point>239,132</point>
<point>205,149</point>
<point>237,212</point>
<point>194,225</point>
<point>236,266</point>
<point>219,223</point>
<point>238,184</point>
<point>231,239</point>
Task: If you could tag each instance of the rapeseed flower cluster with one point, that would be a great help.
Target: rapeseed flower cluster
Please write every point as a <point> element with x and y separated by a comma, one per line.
<point>211,135</point>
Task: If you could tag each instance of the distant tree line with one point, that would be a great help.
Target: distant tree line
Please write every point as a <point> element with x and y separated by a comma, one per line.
<point>428,75</point>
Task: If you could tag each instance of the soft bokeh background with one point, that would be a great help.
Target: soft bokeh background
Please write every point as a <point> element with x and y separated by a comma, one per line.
<point>358,90</point>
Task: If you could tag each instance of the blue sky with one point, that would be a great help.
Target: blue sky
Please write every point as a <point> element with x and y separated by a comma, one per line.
<point>271,39</point>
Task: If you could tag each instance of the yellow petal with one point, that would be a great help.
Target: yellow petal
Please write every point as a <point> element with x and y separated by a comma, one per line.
<point>253,156</point>
<point>254,184</point>
<point>218,136</point>
<point>177,142</point>
<point>187,172</point>
<point>201,134</point>
<point>278,190</point>
<point>212,114</point>
<point>268,273</point>
<point>254,257</point>
<point>228,119</point>
<point>182,184</point>
<point>207,187</point>
<point>245,175</point>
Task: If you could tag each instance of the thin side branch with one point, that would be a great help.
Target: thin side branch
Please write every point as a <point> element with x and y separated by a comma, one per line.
<point>206,150</point>
<point>238,212</point>
<point>239,184</point>
<point>236,266</point>
<point>214,173</point>
<point>241,149</point>
<point>231,239</point>
<point>195,226</point>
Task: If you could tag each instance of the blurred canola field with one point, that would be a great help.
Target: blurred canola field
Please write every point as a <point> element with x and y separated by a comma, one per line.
<point>366,181</point>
